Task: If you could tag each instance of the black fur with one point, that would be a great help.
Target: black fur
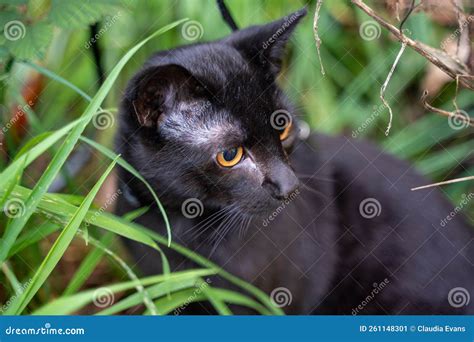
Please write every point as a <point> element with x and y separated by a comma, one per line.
<point>317,244</point>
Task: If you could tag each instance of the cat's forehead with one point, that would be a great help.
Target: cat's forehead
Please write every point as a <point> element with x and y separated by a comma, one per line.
<point>198,123</point>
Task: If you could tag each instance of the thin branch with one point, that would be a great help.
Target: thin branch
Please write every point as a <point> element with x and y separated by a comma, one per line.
<point>317,39</point>
<point>385,84</point>
<point>456,114</point>
<point>451,181</point>
<point>451,66</point>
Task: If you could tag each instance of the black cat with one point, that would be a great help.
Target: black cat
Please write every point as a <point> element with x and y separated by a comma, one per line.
<point>329,221</point>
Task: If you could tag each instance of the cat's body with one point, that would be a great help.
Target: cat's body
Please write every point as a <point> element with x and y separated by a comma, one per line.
<point>352,238</point>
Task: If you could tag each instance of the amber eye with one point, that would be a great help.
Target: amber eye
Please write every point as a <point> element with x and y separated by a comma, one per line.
<point>286,131</point>
<point>230,157</point>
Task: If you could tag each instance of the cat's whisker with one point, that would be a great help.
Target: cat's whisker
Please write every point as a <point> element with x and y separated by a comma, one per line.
<point>204,225</point>
<point>314,191</point>
<point>315,178</point>
<point>245,226</point>
<point>209,222</point>
<point>225,230</point>
<point>216,233</point>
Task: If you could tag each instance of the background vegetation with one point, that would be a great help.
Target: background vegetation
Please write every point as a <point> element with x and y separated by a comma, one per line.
<point>60,253</point>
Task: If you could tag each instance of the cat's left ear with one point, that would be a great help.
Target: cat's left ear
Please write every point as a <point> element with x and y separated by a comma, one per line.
<point>157,89</point>
<point>265,44</point>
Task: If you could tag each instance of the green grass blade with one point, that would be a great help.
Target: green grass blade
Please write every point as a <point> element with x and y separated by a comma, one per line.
<point>29,156</point>
<point>154,291</point>
<point>66,148</point>
<point>58,248</point>
<point>110,154</point>
<point>88,265</point>
<point>215,300</point>
<point>17,173</point>
<point>54,204</point>
<point>33,236</point>
<point>58,78</point>
<point>11,278</point>
<point>67,305</point>
<point>182,298</point>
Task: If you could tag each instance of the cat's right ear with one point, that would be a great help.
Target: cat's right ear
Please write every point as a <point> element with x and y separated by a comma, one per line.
<point>264,44</point>
<point>156,89</point>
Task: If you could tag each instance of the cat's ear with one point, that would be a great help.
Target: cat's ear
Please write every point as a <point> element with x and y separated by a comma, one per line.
<point>265,44</point>
<point>157,89</point>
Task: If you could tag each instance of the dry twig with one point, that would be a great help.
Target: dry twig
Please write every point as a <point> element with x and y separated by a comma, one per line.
<point>451,66</point>
<point>451,181</point>
<point>455,115</point>
<point>317,39</point>
<point>385,84</point>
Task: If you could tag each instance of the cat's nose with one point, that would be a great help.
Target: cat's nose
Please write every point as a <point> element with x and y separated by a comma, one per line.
<point>281,182</point>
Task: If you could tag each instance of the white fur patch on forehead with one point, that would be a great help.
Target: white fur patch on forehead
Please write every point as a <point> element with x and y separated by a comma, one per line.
<point>191,123</point>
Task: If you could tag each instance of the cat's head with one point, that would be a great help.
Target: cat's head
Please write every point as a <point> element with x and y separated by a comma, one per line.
<point>208,121</point>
